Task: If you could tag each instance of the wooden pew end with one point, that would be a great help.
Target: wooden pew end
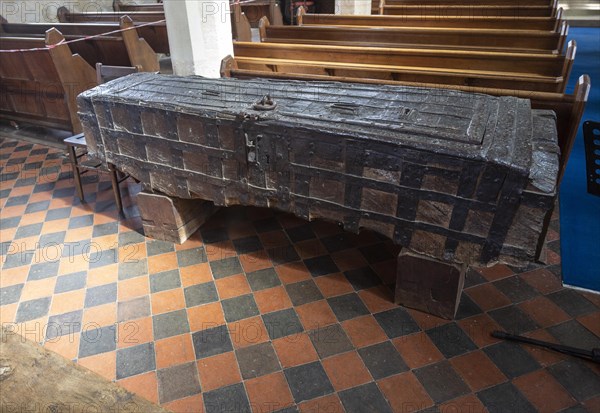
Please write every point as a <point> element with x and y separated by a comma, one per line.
<point>299,15</point>
<point>263,23</point>
<point>62,14</point>
<point>227,65</point>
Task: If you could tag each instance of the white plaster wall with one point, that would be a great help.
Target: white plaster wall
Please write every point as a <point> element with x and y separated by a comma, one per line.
<point>40,11</point>
<point>199,35</point>
<point>357,7</point>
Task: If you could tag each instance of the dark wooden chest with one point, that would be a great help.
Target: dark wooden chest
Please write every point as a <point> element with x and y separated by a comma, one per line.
<point>463,177</point>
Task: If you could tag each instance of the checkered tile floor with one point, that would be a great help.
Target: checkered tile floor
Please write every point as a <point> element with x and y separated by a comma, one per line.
<point>263,312</point>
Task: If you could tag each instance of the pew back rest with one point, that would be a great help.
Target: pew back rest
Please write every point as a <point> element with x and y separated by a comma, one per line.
<point>40,86</point>
<point>522,23</point>
<point>526,41</point>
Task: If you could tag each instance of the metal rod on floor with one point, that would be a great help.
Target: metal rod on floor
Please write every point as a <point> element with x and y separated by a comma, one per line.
<point>592,355</point>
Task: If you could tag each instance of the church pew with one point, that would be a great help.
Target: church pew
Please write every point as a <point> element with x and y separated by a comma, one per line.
<point>540,72</point>
<point>120,6</point>
<point>156,34</point>
<point>526,41</point>
<point>509,23</point>
<point>463,9</point>
<point>40,86</point>
<point>568,108</point>
<point>124,48</point>
<point>254,9</point>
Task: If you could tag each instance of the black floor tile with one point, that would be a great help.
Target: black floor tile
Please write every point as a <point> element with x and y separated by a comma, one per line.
<point>64,324</point>
<point>97,341</point>
<point>170,324</point>
<point>283,254</point>
<point>53,240</point>
<point>130,237</point>
<point>238,308</point>
<point>572,302</point>
<point>225,267</point>
<point>376,253</point>
<point>322,265</point>
<point>43,270</point>
<point>257,360</point>
<point>346,307</point>
<point>451,340</point>
<point>511,359</point>
<point>330,340</point>
<point>200,294</point>
<point>77,249</point>
<point>211,342</point>
<point>362,278</point>
<point>364,399</point>
<point>282,323</point>
<point>17,259</point>
<point>102,294</point>
<point>338,242</point>
<point>441,381</point>
<point>266,225</point>
<point>397,322</point>
<point>135,360</point>
<point>300,233</point>
<point>103,258</point>
<point>37,207</point>
<point>247,244</point>
<point>308,381</point>
<point>163,281</point>
<point>178,382</point>
<point>473,278</point>
<point>81,221</point>
<point>581,381</point>
<point>303,292</point>
<point>505,396</point>
<point>10,294</point>
<point>513,320</point>
<point>28,231</point>
<point>105,229</point>
<point>467,308</point>
<point>571,333</point>
<point>134,268</point>
<point>263,279</point>
<point>16,200</point>
<point>213,235</point>
<point>227,399</point>
<point>516,289</point>
<point>189,257</point>
<point>7,223</point>
<point>382,360</point>
<point>156,247</point>
<point>32,309</point>
<point>133,309</point>
<point>45,187</point>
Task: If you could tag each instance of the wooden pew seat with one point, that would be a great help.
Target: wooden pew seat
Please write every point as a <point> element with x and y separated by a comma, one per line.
<point>540,72</point>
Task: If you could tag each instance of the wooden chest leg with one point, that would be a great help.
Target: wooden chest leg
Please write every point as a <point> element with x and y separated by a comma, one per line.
<point>428,284</point>
<point>172,219</point>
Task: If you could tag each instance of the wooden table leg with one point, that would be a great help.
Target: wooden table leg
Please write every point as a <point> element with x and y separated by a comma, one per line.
<point>428,284</point>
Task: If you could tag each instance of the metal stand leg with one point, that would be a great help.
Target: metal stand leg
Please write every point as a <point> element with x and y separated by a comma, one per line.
<point>115,186</point>
<point>76,173</point>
